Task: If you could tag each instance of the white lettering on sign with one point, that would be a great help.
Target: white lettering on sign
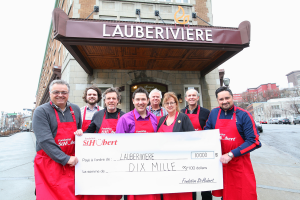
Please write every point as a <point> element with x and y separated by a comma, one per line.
<point>159,31</point>
<point>139,32</point>
<point>118,31</point>
<point>208,34</point>
<point>199,33</point>
<point>131,31</point>
<point>150,32</point>
<point>188,34</point>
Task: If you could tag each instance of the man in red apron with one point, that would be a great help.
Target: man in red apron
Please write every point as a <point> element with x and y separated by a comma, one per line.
<point>198,116</point>
<point>154,107</point>
<point>139,121</point>
<point>54,124</point>
<point>92,96</point>
<point>239,137</point>
<point>105,122</point>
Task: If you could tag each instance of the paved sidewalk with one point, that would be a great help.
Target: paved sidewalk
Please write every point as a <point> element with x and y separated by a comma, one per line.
<point>16,166</point>
<point>277,173</point>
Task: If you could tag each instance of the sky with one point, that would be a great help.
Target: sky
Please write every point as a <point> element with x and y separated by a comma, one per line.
<point>272,54</point>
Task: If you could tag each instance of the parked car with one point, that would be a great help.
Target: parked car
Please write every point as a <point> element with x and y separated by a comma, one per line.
<point>263,122</point>
<point>297,120</point>
<point>284,121</point>
<point>259,126</point>
<point>273,121</point>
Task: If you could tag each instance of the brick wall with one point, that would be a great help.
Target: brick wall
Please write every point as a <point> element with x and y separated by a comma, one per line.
<point>203,10</point>
<point>86,8</point>
<point>55,54</point>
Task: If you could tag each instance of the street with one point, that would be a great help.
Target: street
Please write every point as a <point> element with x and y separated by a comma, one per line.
<point>283,137</point>
<point>276,164</point>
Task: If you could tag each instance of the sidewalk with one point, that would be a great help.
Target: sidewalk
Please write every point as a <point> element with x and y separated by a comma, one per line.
<point>277,173</point>
<point>16,166</point>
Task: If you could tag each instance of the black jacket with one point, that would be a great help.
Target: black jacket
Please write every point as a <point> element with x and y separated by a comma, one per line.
<point>184,125</point>
<point>98,118</point>
<point>204,113</point>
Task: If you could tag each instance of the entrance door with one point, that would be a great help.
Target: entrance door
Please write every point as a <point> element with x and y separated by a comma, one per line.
<point>149,86</point>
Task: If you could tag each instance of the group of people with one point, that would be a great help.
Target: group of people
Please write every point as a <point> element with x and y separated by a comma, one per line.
<point>56,123</point>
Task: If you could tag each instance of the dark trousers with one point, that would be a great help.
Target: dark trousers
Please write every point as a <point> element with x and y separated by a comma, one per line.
<point>206,195</point>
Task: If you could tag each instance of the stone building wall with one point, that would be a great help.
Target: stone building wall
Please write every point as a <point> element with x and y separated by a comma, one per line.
<point>125,11</point>
<point>175,80</point>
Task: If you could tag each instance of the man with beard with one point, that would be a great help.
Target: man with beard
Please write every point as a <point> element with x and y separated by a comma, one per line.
<point>105,121</point>
<point>239,137</point>
<point>139,121</point>
<point>198,116</point>
<point>54,124</point>
<point>154,107</point>
<point>92,95</point>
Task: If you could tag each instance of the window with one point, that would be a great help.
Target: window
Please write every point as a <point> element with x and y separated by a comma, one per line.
<point>70,5</point>
<point>103,87</point>
<point>58,57</point>
<point>182,1</point>
<point>275,107</point>
<point>62,4</point>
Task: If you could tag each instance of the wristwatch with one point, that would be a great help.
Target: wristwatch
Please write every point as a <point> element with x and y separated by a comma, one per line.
<point>230,154</point>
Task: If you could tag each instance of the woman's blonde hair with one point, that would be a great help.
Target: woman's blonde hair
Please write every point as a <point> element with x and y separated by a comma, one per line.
<point>167,96</point>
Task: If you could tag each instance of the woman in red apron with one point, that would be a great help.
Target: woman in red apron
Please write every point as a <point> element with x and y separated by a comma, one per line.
<point>238,176</point>
<point>53,180</point>
<point>174,122</point>
<point>86,123</point>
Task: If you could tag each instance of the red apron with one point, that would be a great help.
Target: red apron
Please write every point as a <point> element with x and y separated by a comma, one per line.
<point>108,125</point>
<point>143,127</point>
<point>174,196</point>
<point>238,176</point>
<point>195,119</point>
<point>53,180</point>
<point>161,115</point>
<point>86,123</point>
<point>158,117</point>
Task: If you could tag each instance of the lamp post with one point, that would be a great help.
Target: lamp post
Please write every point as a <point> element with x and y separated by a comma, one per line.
<point>226,82</point>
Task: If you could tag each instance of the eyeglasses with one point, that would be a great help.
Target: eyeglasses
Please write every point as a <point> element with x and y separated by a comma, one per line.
<point>59,92</point>
<point>169,103</point>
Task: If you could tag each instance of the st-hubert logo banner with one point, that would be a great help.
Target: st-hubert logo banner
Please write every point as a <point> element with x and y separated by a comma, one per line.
<point>148,163</point>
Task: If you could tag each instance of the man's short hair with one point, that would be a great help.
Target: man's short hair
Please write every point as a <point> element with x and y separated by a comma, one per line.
<point>223,88</point>
<point>93,88</point>
<point>112,89</point>
<point>140,90</point>
<point>192,89</point>
<point>155,90</point>
<point>59,82</point>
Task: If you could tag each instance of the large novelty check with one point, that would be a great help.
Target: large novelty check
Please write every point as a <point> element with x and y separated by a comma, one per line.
<point>148,163</point>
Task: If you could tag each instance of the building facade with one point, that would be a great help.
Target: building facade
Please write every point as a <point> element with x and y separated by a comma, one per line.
<point>132,43</point>
<point>277,108</point>
<point>294,78</point>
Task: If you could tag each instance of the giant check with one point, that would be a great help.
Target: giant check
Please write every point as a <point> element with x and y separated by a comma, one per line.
<point>148,163</point>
